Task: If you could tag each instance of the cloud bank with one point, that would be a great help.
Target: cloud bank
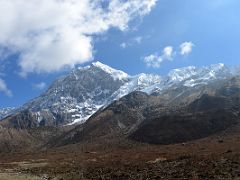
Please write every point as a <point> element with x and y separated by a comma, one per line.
<point>52,34</point>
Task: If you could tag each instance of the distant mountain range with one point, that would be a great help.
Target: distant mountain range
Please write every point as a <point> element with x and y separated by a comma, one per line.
<point>100,104</point>
<point>74,98</point>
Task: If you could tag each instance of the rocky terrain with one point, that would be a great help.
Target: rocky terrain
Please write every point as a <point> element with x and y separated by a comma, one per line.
<point>214,157</point>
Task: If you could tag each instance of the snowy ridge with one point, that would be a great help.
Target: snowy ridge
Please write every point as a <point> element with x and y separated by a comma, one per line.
<point>182,73</point>
<point>116,74</point>
<point>192,76</point>
<point>77,96</point>
<point>136,83</point>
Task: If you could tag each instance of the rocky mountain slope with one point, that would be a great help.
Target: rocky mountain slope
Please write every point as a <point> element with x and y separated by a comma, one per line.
<point>156,119</point>
<point>77,96</point>
<point>5,112</point>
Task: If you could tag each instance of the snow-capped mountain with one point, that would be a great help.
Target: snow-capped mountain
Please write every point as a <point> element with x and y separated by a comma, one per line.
<point>191,77</point>
<point>75,97</point>
<point>5,112</point>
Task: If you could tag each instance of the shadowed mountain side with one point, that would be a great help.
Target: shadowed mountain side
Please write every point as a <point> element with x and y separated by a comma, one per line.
<point>117,120</point>
<point>181,128</point>
<point>145,118</point>
<point>16,140</point>
<point>23,135</point>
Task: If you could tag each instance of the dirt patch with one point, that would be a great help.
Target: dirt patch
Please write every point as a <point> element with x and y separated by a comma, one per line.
<point>18,176</point>
<point>206,158</point>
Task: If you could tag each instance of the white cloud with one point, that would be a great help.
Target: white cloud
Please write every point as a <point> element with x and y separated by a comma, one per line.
<point>186,48</point>
<point>132,42</point>
<point>53,34</point>
<point>40,86</point>
<point>168,53</point>
<point>4,88</point>
<point>153,60</point>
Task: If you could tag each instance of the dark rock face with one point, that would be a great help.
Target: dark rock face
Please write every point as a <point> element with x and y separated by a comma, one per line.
<point>207,102</point>
<point>23,120</point>
<point>181,128</point>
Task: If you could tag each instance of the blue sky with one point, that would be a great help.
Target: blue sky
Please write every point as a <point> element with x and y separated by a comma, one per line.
<point>209,28</point>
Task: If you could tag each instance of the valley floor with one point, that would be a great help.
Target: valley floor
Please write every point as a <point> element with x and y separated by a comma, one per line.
<point>215,157</point>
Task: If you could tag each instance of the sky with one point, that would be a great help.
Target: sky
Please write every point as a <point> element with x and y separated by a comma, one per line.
<point>41,41</point>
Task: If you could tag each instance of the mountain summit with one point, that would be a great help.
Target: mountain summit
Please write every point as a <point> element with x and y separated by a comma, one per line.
<point>116,74</point>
